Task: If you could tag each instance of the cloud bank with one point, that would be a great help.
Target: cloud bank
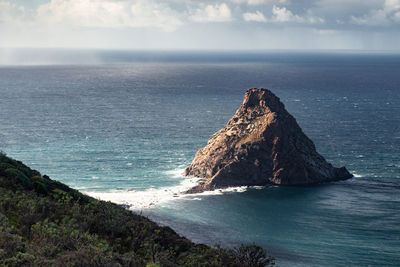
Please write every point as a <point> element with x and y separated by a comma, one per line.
<point>180,24</point>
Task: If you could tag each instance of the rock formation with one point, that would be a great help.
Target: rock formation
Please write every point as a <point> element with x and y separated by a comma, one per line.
<point>261,144</point>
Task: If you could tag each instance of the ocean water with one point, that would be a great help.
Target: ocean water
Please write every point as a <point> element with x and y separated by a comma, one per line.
<point>124,130</point>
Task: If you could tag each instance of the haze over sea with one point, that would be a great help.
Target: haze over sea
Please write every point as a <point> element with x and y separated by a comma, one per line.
<point>124,126</point>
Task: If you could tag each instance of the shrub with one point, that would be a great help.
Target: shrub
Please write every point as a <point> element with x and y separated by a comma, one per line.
<point>20,176</point>
<point>253,256</point>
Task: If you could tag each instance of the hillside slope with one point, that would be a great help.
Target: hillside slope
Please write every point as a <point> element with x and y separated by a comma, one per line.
<point>45,223</point>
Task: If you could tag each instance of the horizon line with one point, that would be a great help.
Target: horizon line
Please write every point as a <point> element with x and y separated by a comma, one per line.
<point>101,49</point>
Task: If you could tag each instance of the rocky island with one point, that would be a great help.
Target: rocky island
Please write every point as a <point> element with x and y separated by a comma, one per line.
<point>261,144</point>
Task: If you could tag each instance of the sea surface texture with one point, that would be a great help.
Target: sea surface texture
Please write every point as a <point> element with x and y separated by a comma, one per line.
<point>124,129</point>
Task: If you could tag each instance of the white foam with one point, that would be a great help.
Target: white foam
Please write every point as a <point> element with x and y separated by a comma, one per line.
<point>258,187</point>
<point>177,173</point>
<point>138,200</point>
<point>357,175</point>
<point>147,198</point>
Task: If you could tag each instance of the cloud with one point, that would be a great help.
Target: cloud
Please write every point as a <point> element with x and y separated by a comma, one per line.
<point>10,13</point>
<point>108,14</point>
<point>374,18</point>
<point>396,17</point>
<point>260,2</point>
<point>388,14</point>
<point>175,24</point>
<point>391,5</point>
<point>282,14</point>
<point>257,16</point>
<point>212,13</point>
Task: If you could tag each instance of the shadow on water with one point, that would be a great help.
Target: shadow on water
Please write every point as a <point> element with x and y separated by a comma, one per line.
<point>203,233</point>
<point>304,226</point>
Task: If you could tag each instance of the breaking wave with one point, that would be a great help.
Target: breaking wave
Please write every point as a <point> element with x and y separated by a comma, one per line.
<point>143,199</point>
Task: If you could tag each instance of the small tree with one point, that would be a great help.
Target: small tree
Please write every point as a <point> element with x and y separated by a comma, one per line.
<point>253,256</point>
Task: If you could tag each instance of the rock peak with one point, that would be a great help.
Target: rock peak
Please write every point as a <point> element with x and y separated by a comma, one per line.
<point>260,97</point>
<point>261,144</point>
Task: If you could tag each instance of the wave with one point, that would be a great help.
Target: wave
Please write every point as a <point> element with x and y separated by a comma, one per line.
<point>238,189</point>
<point>138,200</point>
<point>176,173</point>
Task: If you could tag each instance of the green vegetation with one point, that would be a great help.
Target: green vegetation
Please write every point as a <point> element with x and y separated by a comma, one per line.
<point>46,223</point>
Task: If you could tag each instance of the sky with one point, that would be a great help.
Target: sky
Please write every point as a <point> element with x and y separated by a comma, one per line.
<point>201,25</point>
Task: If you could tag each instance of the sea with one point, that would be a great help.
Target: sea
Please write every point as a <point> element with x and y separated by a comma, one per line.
<point>122,126</point>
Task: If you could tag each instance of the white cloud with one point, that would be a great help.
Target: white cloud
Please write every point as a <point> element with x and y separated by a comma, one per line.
<point>154,15</point>
<point>389,13</point>
<point>108,14</point>
<point>10,13</point>
<point>396,17</point>
<point>282,14</point>
<point>212,13</point>
<point>257,16</point>
<point>375,18</point>
<point>391,5</point>
<point>260,2</point>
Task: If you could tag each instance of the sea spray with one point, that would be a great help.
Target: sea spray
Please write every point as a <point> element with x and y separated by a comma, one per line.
<point>142,199</point>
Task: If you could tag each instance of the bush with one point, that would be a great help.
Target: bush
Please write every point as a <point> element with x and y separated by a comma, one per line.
<point>253,256</point>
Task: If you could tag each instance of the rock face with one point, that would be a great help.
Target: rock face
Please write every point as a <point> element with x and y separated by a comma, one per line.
<point>261,144</point>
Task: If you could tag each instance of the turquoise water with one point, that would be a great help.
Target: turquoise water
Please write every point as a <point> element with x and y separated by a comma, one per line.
<point>125,131</point>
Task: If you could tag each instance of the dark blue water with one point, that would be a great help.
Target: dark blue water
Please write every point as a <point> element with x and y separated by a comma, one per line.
<point>125,131</point>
